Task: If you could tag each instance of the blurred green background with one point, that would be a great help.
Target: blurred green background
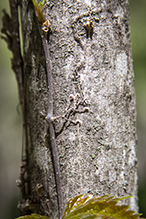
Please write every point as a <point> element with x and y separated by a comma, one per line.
<point>10,119</point>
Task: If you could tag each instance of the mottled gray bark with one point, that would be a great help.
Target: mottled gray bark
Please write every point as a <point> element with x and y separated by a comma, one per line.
<point>96,149</point>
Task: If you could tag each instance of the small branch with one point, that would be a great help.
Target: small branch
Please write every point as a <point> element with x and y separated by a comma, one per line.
<point>49,119</point>
<point>10,29</point>
<point>45,25</point>
<point>77,101</point>
<point>17,61</point>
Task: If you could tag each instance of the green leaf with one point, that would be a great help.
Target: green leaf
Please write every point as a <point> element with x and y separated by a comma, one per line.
<point>42,2</point>
<point>39,10</point>
<point>92,207</point>
<point>103,207</point>
<point>33,216</point>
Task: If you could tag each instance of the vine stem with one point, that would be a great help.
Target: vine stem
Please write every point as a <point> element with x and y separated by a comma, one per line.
<point>51,127</point>
<point>17,60</point>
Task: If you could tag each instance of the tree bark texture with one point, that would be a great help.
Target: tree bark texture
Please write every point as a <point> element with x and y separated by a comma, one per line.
<point>91,65</point>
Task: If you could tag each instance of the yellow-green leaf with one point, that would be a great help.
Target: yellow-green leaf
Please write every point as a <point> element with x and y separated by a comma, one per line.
<point>39,10</point>
<point>33,216</point>
<point>42,2</point>
<point>103,207</point>
<point>92,207</point>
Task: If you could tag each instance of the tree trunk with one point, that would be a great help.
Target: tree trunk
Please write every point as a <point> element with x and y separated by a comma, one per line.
<point>93,100</point>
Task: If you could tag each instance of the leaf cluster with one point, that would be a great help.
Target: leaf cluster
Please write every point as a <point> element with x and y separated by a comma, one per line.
<point>92,207</point>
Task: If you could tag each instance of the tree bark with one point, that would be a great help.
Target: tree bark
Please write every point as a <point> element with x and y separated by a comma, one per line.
<point>93,87</point>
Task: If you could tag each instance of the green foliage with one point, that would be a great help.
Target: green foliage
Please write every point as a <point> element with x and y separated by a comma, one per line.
<point>41,4</point>
<point>97,207</point>
<point>33,216</point>
<point>39,10</point>
<point>92,207</point>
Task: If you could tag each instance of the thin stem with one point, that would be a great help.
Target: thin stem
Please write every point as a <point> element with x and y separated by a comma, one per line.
<point>17,61</point>
<point>51,127</point>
